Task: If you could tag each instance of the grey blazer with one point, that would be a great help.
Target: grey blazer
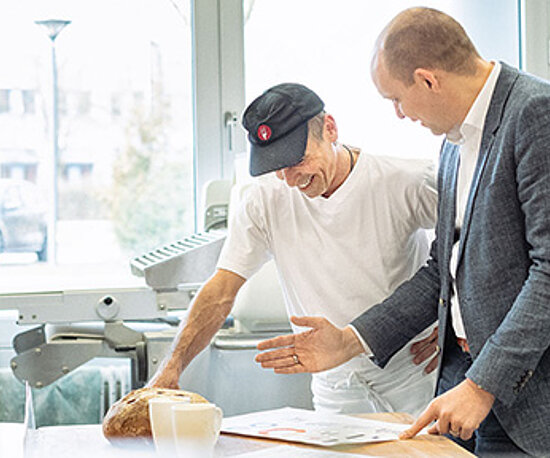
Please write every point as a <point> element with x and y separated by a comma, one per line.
<point>503,276</point>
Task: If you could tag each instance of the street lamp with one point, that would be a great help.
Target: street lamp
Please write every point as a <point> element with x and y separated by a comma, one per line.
<point>53,28</point>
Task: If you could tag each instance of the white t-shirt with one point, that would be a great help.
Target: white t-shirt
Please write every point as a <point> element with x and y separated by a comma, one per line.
<point>337,256</point>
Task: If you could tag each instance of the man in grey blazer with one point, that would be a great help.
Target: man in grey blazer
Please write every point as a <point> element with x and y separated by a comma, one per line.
<point>488,276</point>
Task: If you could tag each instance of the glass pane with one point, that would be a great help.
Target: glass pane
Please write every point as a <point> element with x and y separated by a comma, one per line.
<point>123,180</point>
<point>327,45</point>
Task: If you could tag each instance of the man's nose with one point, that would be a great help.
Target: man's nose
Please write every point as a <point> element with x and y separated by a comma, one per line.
<point>398,111</point>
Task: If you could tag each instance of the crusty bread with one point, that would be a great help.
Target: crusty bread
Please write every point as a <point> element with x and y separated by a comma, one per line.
<point>128,418</point>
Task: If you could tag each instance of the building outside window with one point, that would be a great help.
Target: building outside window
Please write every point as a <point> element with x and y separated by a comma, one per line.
<point>125,155</point>
<point>127,170</point>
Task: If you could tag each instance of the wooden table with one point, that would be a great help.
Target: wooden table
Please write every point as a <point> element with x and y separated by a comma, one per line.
<point>87,441</point>
<point>420,446</point>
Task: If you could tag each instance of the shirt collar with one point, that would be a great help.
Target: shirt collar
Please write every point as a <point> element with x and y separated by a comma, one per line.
<point>478,111</point>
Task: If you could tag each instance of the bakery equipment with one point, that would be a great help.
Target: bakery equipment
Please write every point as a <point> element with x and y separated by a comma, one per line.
<point>74,326</point>
<point>68,328</point>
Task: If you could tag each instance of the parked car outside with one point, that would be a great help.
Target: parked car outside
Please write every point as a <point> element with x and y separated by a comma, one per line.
<point>23,226</point>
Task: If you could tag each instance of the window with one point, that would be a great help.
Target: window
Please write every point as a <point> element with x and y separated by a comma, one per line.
<point>29,106</point>
<point>4,100</point>
<point>84,103</point>
<point>11,198</point>
<point>62,102</point>
<point>327,46</point>
<point>153,129</point>
<point>116,104</point>
<point>124,179</point>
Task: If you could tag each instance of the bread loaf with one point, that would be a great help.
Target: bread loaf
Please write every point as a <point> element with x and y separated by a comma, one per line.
<point>128,418</point>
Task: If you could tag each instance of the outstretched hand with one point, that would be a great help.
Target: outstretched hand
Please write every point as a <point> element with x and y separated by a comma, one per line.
<point>323,347</point>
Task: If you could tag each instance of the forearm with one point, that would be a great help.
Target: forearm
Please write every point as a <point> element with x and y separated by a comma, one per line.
<point>210,308</point>
<point>206,317</point>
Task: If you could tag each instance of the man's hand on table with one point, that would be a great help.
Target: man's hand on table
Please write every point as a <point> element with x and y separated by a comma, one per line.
<point>323,347</point>
<point>458,412</point>
<point>425,348</point>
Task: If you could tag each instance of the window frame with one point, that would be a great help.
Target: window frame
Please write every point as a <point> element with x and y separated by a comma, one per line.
<point>218,92</point>
<point>535,37</point>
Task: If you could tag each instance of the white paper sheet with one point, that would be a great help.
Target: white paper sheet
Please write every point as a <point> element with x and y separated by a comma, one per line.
<point>309,427</point>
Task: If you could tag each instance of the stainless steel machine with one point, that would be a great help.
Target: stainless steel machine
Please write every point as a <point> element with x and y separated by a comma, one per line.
<point>75,326</point>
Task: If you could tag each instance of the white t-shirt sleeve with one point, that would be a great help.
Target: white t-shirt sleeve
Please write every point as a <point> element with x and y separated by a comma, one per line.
<point>426,201</point>
<point>246,247</point>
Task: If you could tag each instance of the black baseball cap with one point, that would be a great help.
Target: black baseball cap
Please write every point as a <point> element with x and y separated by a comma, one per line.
<point>277,126</point>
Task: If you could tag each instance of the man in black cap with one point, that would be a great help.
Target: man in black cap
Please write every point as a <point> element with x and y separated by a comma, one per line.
<point>344,228</point>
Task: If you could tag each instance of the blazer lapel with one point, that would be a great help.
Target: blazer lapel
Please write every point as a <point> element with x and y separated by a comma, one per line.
<point>449,169</point>
<point>446,227</point>
<point>480,166</point>
<point>451,159</point>
<point>506,79</point>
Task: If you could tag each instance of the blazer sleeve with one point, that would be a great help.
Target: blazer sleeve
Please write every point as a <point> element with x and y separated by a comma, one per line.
<point>390,325</point>
<point>520,341</point>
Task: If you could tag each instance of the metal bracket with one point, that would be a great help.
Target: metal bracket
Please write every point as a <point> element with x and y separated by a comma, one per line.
<point>46,363</point>
<point>29,339</point>
<point>121,338</point>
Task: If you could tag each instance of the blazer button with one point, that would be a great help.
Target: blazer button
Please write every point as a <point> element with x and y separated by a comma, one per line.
<point>442,302</point>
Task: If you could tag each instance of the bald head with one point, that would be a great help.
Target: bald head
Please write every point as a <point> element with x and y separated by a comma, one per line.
<point>425,38</point>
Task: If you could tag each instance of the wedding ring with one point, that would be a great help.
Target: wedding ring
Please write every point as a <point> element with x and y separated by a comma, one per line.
<point>437,349</point>
<point>295,358</point>
<point>454,433</point>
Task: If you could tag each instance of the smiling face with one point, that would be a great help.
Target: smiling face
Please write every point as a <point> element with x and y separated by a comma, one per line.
<point>313,175</point>
<point>318,173</point>
<point>422,101</point>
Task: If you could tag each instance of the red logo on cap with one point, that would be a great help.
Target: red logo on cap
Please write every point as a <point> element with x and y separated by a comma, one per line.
<point>264,132</point>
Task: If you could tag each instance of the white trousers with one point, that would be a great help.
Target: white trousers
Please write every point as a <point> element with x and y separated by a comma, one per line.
<point>359,386</point>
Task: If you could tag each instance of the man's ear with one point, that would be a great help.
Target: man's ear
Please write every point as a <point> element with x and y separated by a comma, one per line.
<point>427,78</point>
<point>330,130</point>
